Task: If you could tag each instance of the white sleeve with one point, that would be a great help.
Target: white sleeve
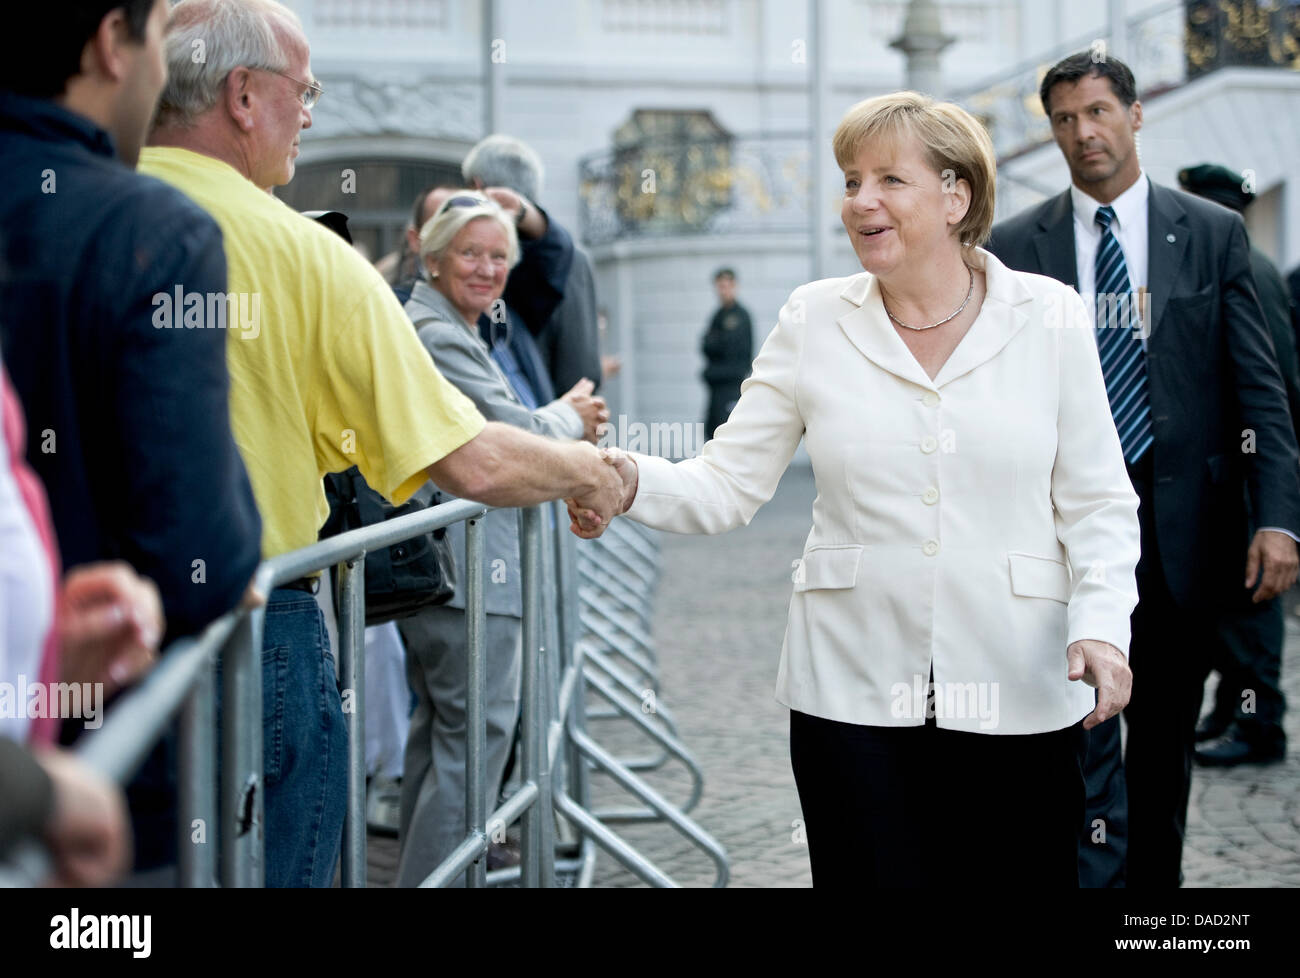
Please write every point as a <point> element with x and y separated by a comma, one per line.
<point>1093,500</point>
<point>738,470</point>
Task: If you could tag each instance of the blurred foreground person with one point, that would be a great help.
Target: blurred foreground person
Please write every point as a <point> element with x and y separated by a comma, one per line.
<point>127,408</point>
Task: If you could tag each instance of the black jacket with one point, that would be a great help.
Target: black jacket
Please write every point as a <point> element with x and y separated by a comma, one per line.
<point>128,425</point>
<point>728,346</point>
<point>1212,375</point>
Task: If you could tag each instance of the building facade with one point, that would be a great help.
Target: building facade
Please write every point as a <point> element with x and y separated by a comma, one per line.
<point>677,134</point>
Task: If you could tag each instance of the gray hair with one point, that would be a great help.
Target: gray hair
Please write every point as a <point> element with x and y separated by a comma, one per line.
<point>208,39</point>
<point>503,161</point>
<point>441,229</point>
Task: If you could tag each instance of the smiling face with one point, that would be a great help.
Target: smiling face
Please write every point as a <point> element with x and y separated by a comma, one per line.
<point>471,271</point>
<point>896,208</point>
<point>1096,135</point>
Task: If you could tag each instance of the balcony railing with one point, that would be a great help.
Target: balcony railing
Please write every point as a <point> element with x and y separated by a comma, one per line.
<point>663,187</point>
<point>1008,103</point>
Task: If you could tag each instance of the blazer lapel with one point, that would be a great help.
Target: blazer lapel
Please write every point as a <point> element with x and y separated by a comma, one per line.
<point>868,328</point>
<point>1054,242</point>
<point>1167,237</point>
<point>1004,314</point>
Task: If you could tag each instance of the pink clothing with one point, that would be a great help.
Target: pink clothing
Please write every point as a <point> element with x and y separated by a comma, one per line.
<point>43,730</point>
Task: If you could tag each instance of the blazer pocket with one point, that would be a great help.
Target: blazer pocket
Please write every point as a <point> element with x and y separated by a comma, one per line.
<point>1039,577</point>
<point>827,568</point>
<point>1196,302</point>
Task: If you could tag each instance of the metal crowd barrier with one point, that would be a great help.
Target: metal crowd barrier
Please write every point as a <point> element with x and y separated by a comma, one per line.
<point>572,632</point>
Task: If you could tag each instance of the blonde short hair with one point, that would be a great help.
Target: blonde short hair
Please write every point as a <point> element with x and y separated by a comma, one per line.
<point>440,230</point>
<point>950,137</point>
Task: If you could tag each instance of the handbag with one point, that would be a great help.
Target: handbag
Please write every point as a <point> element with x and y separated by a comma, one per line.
<point>402,578</point>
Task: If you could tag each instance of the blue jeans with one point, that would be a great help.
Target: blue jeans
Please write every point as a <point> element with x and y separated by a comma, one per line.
<point>305,744</point>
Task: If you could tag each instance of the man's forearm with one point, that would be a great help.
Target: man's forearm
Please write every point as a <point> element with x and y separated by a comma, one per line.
<point>506,466</point>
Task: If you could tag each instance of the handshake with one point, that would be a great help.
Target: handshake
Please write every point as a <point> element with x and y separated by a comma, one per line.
<point>612,496</point>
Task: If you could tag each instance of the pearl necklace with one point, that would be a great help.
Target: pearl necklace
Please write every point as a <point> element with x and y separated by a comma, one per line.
<point>969,292</point>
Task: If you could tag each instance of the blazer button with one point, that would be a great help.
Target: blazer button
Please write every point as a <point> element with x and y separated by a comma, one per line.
<point>930,496</point>
<point>931,399</point>
<point>930,547</point>
<point>929,443</point>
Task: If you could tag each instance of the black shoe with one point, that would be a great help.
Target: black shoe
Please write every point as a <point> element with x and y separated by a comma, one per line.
<point>1233,748</point>
<point>502,855</point>
<point>1211,727</point>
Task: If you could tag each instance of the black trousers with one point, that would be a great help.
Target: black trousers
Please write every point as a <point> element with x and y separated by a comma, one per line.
<point>722,398</point>
<point>1169,656</point>
<point>922,807</point>
<point>1103,846</point>
<point>1248,657</point>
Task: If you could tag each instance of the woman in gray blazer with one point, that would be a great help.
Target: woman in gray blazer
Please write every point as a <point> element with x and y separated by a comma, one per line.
<point>468,248</point>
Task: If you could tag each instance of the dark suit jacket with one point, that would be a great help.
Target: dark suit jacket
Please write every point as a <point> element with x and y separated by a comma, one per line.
<point>1275,300</point>
<point>1212,375</point>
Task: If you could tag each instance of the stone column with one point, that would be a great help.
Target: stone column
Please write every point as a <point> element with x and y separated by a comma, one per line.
<point>922,41</point>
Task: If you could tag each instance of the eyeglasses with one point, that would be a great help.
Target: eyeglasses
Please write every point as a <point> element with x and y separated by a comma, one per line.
<point>472,256</point>
<point>310,96</point>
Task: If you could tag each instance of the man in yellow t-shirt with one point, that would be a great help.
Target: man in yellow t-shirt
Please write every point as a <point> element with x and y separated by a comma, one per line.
<point>325,372</point>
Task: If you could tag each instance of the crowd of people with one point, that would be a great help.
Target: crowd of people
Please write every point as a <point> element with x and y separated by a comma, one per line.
<point>1005,501</point>
<point>179,457</point>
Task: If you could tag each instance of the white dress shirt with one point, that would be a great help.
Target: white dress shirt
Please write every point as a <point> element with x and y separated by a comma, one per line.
<point>976,523</point>
<point>1130,230</point>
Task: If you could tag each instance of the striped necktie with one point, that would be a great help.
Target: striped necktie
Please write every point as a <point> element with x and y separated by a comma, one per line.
<point>1123,361</point>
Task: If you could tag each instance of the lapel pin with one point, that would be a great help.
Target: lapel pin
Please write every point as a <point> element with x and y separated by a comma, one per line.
<point>1170,238</point>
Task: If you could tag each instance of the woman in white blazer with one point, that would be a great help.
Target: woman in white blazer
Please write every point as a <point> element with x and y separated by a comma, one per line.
<point>970,570</point>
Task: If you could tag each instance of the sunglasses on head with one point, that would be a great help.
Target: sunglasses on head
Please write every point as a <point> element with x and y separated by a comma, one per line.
<point>462,200</point>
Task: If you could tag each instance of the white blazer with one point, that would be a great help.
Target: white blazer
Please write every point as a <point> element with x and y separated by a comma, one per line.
<point>978,523</point>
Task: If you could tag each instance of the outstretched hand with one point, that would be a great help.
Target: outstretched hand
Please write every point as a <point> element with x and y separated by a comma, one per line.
<point>1101,665</point>
<point>585,522</point>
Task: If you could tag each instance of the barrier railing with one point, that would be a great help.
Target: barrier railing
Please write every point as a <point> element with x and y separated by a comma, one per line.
<point>562,658</point>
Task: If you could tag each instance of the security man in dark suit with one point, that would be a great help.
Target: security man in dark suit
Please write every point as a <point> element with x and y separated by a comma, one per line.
<point>728,348</point>
<point>1202,417</point>
<point>1245,725</point>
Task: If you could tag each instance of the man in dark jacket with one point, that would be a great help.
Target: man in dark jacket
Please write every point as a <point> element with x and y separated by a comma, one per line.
<point>1220,511</point>
<point>728,348</point>
<point>129,424</point>
<point>1246,723</point>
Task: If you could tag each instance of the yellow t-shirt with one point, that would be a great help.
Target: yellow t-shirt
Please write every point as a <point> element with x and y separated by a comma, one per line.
<point>326,371</point>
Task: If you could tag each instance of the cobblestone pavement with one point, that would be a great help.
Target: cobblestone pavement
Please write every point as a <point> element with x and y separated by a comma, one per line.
<point>720,614</point>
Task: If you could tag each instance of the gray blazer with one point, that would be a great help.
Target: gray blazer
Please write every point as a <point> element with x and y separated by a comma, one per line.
<point>463,358</point>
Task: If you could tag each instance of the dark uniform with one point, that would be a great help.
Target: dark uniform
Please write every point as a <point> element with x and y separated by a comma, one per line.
<point>728,347</point>
<point>1248,647</point>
